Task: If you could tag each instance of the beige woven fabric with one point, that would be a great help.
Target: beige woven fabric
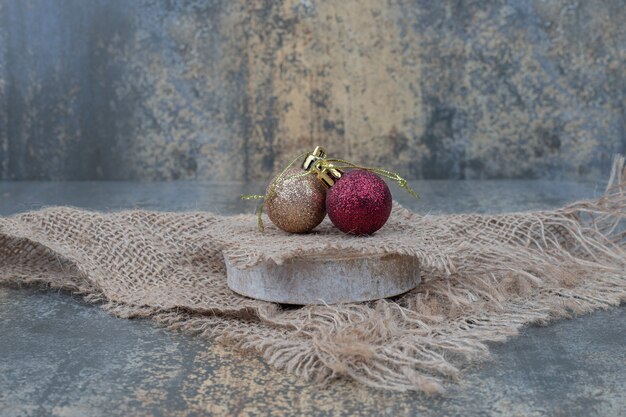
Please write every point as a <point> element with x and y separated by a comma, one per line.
<point>484,276</point>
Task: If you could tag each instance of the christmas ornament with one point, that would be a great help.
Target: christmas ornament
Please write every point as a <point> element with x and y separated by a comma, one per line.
<point>297,199</point>
<point>296,202</point>
<point>359,203</point>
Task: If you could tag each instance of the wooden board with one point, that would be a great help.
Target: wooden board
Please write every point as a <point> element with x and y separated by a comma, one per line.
<point>304,281</point>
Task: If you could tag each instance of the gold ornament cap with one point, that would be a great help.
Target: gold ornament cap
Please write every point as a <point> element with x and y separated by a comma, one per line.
<point>316,163</point>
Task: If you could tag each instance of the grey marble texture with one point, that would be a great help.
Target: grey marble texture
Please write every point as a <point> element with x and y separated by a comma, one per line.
<point>230,89</point>
<point>62,357</point>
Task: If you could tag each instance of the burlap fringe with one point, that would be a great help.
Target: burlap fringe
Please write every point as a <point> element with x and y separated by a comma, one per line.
<point>493,274</point>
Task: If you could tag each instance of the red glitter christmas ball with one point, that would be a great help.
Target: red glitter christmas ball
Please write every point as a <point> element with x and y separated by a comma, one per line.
<point>359,203</point>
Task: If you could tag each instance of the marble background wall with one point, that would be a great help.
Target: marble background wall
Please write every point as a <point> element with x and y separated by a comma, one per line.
<point>207,89</point>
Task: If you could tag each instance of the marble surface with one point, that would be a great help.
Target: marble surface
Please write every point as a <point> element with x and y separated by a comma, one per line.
<point>62,357</point>
<point>216,89</point>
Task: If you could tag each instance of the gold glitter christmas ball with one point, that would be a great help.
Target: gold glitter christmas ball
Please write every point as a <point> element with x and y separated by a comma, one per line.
<point>297,204</point>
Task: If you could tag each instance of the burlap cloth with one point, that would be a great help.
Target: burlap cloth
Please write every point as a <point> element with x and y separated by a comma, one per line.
<point>484,276</point>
